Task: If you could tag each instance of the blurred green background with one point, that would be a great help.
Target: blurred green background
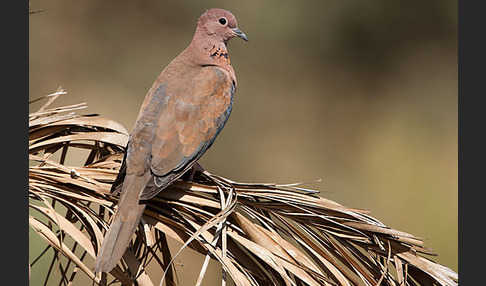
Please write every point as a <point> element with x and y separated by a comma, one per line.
<point>362,94</point>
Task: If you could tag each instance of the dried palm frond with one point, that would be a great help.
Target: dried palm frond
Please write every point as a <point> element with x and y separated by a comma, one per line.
<point>261,234</point>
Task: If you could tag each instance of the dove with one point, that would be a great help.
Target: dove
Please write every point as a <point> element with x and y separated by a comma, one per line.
<point>179,119</point>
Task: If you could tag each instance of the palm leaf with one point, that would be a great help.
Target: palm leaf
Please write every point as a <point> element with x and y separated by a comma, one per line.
<point>260,233</point>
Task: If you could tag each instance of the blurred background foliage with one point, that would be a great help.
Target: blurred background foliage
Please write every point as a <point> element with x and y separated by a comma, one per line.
<point>360,94</point>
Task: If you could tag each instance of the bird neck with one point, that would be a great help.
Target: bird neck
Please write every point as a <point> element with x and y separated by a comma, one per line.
<point>207,50</point>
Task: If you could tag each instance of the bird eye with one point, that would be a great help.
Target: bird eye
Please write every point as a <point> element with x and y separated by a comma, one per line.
<point>222,21</point>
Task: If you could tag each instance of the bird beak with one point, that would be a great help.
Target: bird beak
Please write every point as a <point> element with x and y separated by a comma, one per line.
<point>240,34</point>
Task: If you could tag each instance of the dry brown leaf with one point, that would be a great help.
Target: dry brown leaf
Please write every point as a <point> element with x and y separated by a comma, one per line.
<point>260,233</point>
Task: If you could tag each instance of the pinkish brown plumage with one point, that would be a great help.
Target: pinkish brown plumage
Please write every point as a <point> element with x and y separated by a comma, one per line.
<point>180,117</point>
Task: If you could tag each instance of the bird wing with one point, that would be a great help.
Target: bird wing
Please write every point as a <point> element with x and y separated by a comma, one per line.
<point>177,126</point>
<point>189,125</point>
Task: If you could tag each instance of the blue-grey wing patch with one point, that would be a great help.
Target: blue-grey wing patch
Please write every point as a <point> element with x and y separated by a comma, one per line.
<point>180,143</point>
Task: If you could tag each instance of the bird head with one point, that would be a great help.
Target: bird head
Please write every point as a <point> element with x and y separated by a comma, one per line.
<point>220,24</point>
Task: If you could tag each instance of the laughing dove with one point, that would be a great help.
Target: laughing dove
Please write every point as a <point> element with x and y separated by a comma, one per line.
<point>180,117</point>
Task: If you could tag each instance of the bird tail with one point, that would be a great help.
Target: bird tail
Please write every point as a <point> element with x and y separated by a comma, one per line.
<point>124,224</point>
